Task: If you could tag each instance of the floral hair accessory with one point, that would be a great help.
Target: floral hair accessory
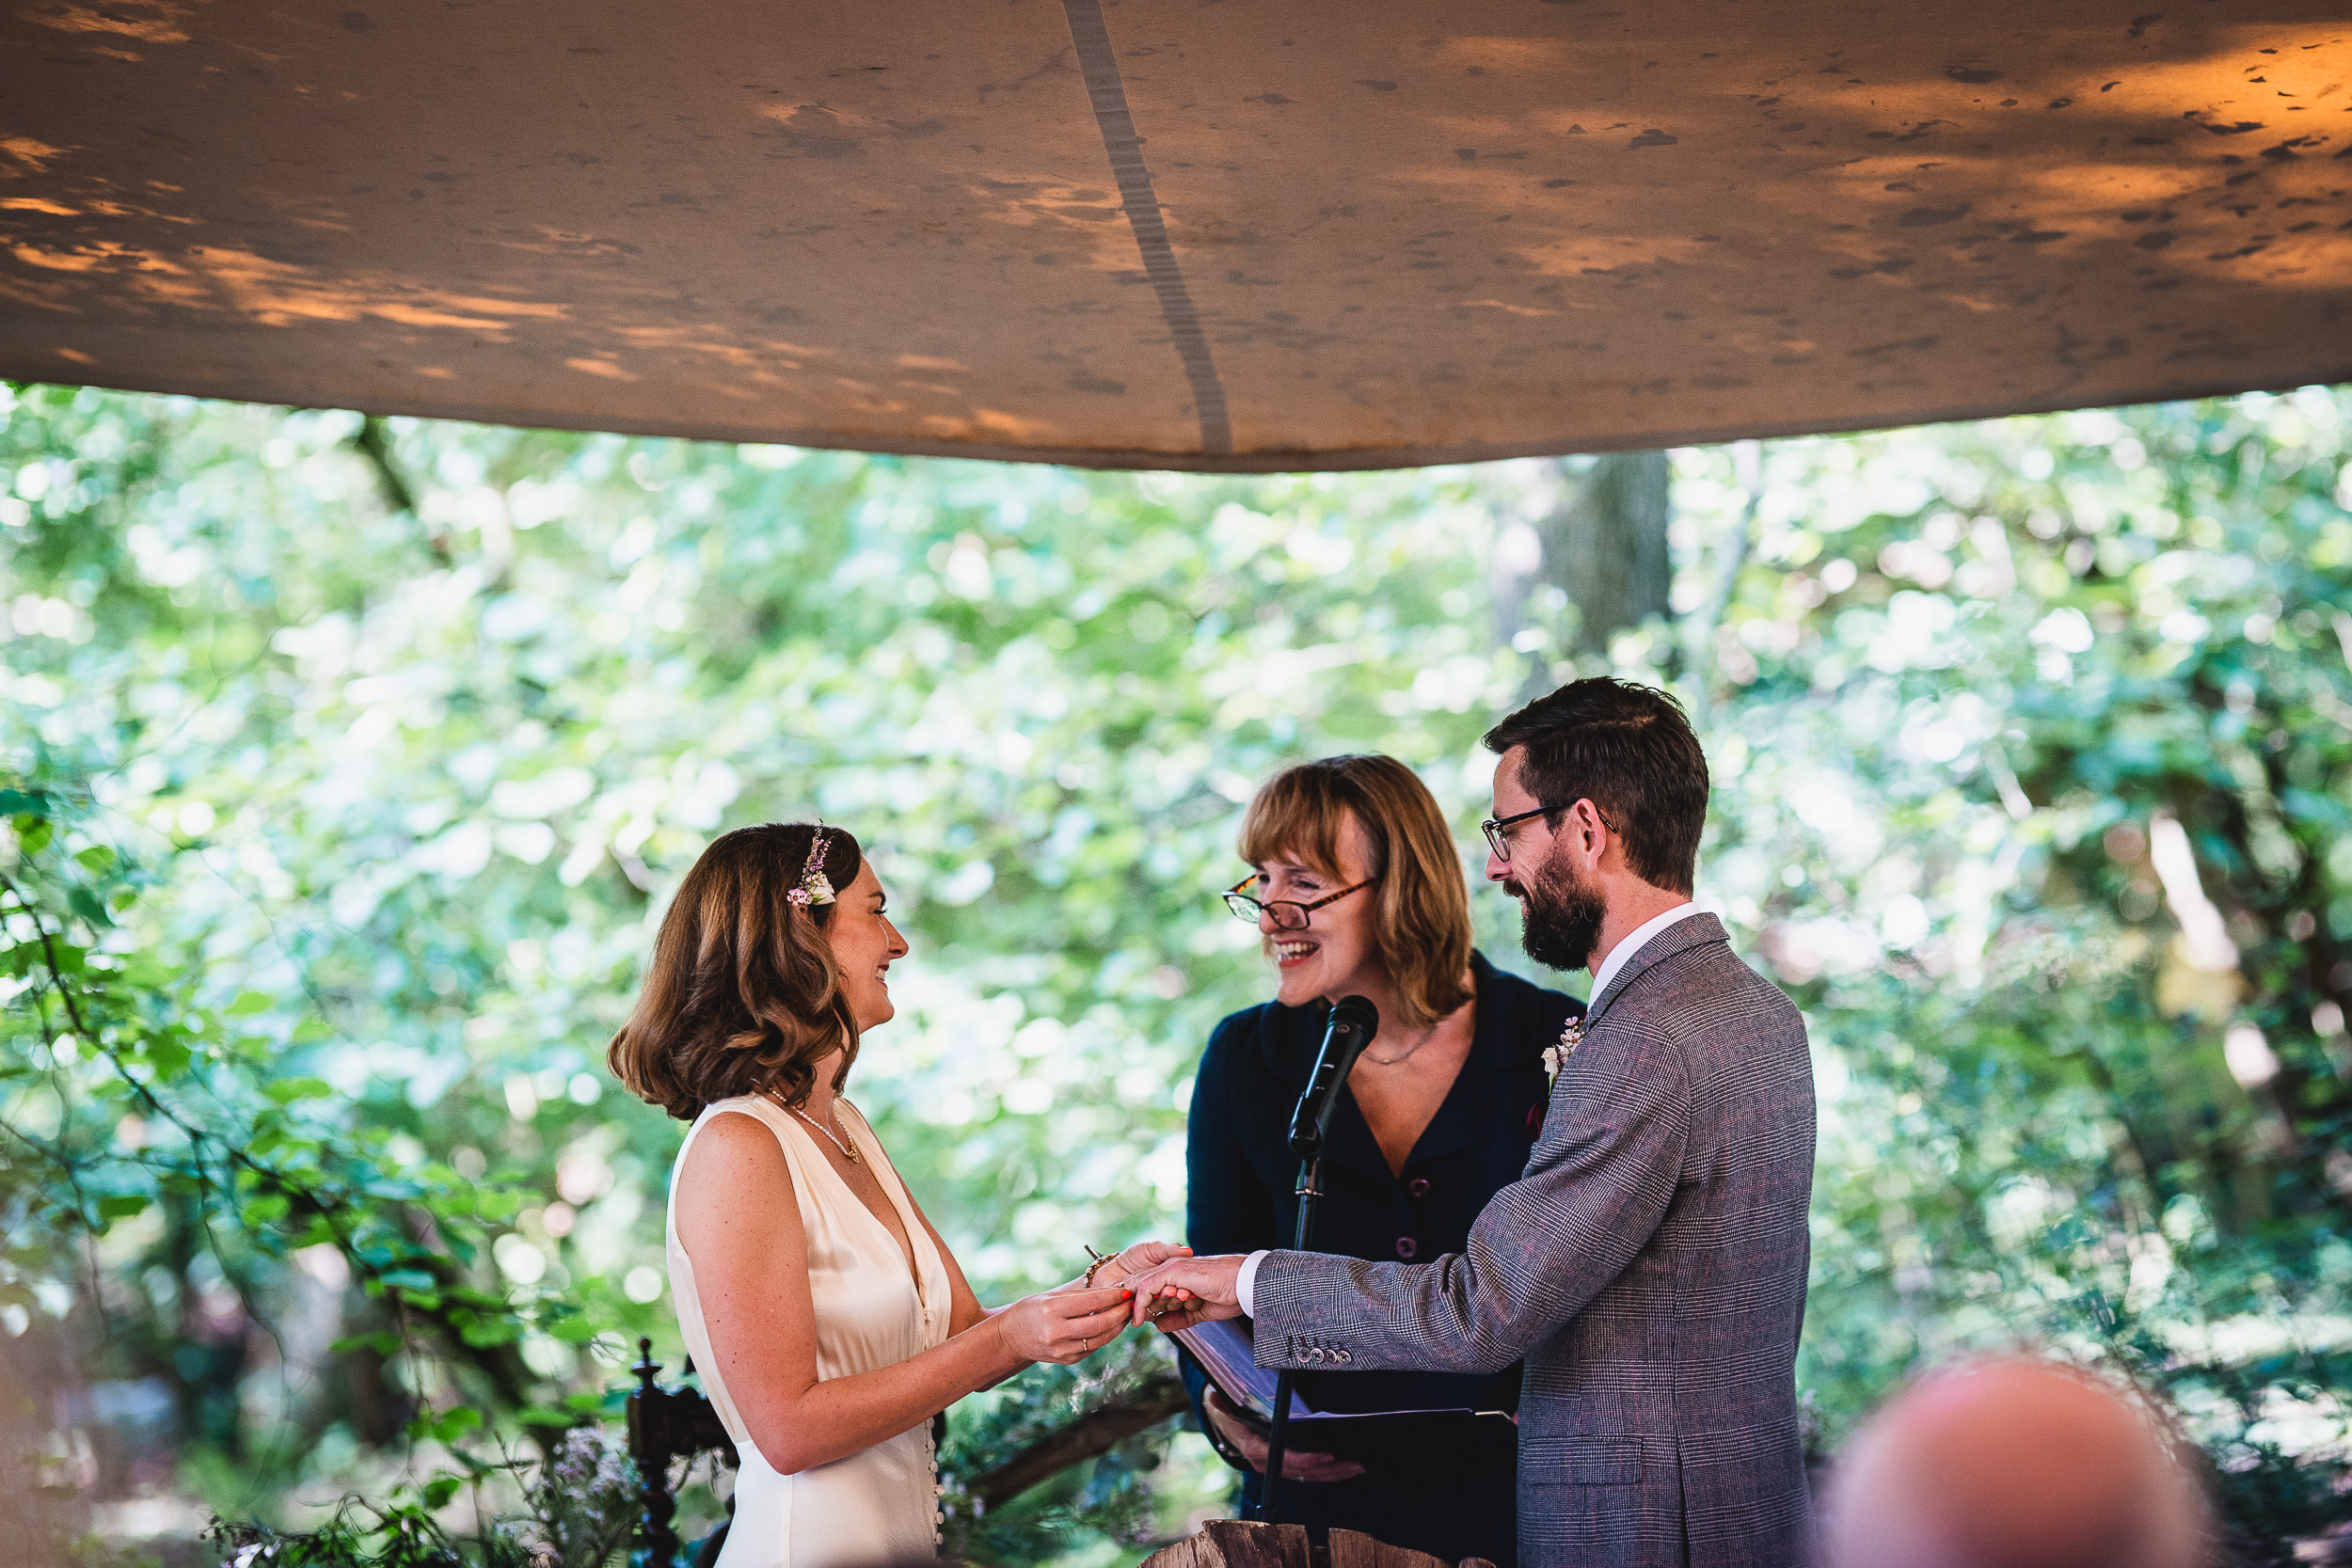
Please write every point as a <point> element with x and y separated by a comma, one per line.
<point>815,888</point>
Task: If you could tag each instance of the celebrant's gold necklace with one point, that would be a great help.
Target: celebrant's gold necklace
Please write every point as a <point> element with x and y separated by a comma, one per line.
<point>1427,1035</point>
<point>846,1144</point>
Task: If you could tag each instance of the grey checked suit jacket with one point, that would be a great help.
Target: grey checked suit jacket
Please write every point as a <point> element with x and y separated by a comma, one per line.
<point>1650,1267</point>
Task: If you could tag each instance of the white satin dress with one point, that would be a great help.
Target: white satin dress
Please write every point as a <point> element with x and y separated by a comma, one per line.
<point>879,1505</point>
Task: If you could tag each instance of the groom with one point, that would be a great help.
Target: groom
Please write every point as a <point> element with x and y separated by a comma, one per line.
<point>1650,1263</point>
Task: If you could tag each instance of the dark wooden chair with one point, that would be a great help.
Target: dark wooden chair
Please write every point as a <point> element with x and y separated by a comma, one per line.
<point>666,1425</point>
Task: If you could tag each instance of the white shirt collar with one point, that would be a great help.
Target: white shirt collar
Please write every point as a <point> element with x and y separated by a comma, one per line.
<point>1623,953</point>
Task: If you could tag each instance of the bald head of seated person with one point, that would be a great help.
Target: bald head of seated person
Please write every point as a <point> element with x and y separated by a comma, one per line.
<point>2012,1463</point>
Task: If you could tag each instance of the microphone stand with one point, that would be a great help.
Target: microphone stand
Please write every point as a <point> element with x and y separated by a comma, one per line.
<point>1353,1023</point>
<point>1310,1192</point>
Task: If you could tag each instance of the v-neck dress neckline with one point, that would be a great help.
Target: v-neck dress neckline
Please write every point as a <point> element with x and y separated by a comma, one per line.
<point>894,1189</point>
<point>1455,1087</point>
<point>1443,1130</point>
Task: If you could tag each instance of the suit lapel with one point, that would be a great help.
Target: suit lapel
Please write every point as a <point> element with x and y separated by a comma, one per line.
<point>1680,937</point>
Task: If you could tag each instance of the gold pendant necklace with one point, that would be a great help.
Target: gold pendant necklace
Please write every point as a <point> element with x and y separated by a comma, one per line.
<point>1427,1035</point>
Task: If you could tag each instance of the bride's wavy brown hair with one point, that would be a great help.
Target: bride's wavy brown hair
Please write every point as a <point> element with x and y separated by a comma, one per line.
<point>742,994</point>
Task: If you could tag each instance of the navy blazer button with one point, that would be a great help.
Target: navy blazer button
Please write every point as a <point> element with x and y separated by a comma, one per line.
<point>1407,1246</point>
<point>1418,1186</point>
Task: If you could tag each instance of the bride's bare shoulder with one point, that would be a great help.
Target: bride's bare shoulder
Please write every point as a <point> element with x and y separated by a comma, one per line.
<point>734,1187</point>
<point>735,1147</point>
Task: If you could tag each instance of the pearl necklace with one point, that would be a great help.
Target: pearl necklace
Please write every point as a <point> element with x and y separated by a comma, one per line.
<point>847,1146</point>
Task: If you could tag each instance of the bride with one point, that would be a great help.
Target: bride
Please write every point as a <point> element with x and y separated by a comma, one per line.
<point>828,1317</point>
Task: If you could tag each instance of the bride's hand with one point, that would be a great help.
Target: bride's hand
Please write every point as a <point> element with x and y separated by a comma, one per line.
<point>1063,1325</point>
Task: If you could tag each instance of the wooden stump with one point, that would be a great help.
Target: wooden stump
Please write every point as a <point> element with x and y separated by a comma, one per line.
<point>1237,1543</point>
<point>1246,1544</point>
<point>1355,1549</point>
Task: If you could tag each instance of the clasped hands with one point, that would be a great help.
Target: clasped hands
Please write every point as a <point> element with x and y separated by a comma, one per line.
<point>1149,1282</point>
<point>1175,1289</point>
<point>1071,1322</point>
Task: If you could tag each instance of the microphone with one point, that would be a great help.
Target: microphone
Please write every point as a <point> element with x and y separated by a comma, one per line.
<point>1352,1023</point>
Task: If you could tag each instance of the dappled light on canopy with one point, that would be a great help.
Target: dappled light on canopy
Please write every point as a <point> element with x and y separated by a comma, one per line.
<point>1179,235</point>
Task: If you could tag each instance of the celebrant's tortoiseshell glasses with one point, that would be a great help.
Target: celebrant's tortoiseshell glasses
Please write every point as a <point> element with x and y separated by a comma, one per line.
<point>1494,827</point>
<point>1289,914</point>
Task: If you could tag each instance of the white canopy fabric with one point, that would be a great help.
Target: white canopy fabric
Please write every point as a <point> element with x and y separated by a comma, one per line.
<point>1179,234</point>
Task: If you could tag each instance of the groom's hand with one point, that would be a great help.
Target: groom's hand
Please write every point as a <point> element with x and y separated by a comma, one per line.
<point>1202,1288</point>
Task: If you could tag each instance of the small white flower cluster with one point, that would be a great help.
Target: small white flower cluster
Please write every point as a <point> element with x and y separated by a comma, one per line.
<point>1556,1055</point>
<point>583,1504</point>
<point>594,1462</point>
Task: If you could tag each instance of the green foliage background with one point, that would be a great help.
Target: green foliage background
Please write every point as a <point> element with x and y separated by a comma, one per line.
<point>350,762</point>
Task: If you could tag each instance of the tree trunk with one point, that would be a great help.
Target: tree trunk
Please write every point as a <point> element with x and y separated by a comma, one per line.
<point>1610,543</point>
<point>1603,547</point>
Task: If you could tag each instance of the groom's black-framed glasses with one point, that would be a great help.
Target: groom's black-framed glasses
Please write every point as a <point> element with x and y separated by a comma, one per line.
<point>1288,915</point>
<point>1497,827</point>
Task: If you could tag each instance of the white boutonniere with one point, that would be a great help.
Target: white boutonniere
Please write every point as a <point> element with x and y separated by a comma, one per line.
<point>1556,1055</point>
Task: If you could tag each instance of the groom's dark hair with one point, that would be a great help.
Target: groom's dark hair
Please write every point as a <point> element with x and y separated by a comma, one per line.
<point>1629,750</point>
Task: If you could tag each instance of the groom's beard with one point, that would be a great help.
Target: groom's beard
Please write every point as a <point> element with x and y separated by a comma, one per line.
<point>1562,915</point>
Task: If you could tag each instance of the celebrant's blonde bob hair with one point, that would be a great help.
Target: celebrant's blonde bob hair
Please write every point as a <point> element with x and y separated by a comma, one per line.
<point>1420,924</point>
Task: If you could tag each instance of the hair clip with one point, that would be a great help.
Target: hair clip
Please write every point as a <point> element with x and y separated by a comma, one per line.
<point>815,888</point>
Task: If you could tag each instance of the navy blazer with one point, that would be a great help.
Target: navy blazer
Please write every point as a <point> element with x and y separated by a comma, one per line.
<point>1241,1197</point>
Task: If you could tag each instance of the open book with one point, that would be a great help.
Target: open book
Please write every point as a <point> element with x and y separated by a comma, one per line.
<point>1227,1353</point>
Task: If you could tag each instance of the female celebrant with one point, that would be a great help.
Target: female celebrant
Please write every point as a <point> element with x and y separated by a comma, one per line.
<point>1358,891</point>
<point>828,1320</point>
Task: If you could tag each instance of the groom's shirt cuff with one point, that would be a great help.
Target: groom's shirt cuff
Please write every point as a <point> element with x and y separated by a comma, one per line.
<point>1245,1283</point>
